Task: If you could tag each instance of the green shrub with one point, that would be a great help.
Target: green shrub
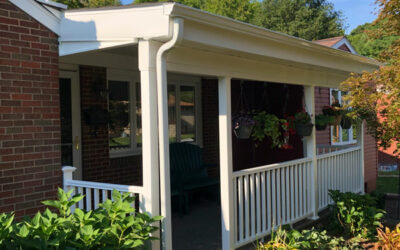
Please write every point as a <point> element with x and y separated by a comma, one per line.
<point>356,214</point>
<point>306,239</point>
<point>115,225</point>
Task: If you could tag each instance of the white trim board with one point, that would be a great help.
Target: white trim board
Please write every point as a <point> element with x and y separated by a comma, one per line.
<point>346,42</point>
<point>39,13</point>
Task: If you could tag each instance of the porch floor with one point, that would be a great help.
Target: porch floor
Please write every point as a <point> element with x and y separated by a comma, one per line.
<point>200,228</point>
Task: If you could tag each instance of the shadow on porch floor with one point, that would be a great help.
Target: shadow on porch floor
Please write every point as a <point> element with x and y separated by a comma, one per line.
<point>200,228</point>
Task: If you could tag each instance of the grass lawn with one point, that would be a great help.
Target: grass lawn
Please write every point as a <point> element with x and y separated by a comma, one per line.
<point>387,185</point>
<point>396,173</point>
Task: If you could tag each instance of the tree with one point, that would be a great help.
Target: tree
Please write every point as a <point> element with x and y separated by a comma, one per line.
<point>75,4</point>
<point>368,44</point>
<point>242,10</point>
<point>375,96</point>
<point>308,19</point>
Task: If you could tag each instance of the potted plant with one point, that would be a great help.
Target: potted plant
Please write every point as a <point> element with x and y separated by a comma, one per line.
<point>335,111</point>
<point>242,124</point>
<point>303,125</point>
<point>348,119</point>
<point>321,121</point>
<point>268,125</point>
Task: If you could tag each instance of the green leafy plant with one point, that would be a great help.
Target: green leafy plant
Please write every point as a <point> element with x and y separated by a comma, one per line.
<point>302,118</point>
<point>267,125</point>
<point>115,225</point>
<point>356,214</point>
<point>321,121</point>
<point>306,239</point>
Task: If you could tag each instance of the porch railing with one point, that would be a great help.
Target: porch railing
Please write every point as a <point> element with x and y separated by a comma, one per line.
<point>340,170</point>
<point>277,194</point>
<point>97,192</point>
<point>268,196</point>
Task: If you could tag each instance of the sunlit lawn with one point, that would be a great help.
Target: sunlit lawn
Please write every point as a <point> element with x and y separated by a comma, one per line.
<point>387,185</point>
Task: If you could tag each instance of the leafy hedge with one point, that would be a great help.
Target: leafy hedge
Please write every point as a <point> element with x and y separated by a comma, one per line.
<point>115,225</point>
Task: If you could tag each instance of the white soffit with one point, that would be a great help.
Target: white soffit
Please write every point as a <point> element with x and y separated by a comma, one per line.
<point>91,29</point>
<point>40,13</point>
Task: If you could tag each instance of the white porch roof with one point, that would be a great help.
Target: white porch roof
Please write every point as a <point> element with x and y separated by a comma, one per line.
<point>220,45</point>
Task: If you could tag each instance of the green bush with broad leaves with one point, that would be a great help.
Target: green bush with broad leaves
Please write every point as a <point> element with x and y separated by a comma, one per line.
<point>355,214</point>
<point>291,239</point>
<point>114,225</point>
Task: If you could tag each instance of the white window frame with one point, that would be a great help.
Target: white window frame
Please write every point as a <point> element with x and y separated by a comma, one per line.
<point>132,79</point>
<point>183,80</point>
<point>340,142</point>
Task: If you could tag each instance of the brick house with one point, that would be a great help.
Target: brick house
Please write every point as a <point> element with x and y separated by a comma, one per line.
<point>77,91</point>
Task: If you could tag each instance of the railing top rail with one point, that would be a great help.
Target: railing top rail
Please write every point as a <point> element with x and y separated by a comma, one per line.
<point>339,152</point>
<point>105,186</point>
<point>270,167</point>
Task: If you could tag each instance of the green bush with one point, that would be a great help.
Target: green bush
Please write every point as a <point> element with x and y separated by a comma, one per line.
<point>115,225</point>
<point>307,239</point>
<point>356,214</point>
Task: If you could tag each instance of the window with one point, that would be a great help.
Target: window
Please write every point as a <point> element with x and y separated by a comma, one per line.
<point>340,136</point>
<point>124,107</point>
<point>184,113</point>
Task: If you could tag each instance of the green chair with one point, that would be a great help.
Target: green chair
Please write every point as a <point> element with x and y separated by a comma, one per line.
<point>188,171</point>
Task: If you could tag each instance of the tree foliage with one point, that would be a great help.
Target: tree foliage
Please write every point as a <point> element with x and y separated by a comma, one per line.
<point>366,42</point>
<point>308,19</point>
<point>375,96</point>
<point>75,4</point>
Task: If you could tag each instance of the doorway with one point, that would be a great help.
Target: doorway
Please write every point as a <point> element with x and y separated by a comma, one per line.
<point>70,117</point>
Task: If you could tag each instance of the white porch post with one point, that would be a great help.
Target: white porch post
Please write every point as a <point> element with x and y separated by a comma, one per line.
<point>225,149</point>
<point>311,147</point>
<point>360,143</point>
<point>148,78</point>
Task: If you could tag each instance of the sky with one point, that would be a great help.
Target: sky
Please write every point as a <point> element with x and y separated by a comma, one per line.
<point>356,12</point>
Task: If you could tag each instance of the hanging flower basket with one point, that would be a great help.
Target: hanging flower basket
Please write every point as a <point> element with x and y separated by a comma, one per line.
<point>346,123</point>
<point>336,121</point>
<point>244,131</point>
<point>304,129</point>
<point>242,125</point>
<point>320,127</point>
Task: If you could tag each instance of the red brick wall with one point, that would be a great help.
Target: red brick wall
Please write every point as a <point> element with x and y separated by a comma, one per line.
<point>30,157</point>
<point>97,165</point>
<point>370,162</point>
<point>322,99</point>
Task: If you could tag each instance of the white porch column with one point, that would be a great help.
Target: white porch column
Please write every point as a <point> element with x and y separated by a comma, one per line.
<point>311,147</point>
<point>360,143</point>
<point>148,78</point>
<point>225,152</point>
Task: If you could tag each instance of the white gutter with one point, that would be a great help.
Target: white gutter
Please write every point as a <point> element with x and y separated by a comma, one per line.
<point>163,142</point>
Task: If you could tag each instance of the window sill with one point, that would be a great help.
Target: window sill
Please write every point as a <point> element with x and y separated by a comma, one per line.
<point>114,155</point>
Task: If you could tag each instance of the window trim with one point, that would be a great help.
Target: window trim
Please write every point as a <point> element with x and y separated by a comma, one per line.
<point>183,80</point>
<point>132,79</point>
<point>340,143</point>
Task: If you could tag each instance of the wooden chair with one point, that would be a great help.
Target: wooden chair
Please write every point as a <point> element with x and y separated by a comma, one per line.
<point>188,171</point>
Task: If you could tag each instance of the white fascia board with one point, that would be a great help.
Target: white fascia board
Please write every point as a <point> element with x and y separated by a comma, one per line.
<point>89,28</point>
<point>253,31</point>
<point>38,12</point>
<point>347,43</point>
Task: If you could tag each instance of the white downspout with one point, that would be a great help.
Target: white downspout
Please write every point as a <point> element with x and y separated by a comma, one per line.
<point>163,142</point>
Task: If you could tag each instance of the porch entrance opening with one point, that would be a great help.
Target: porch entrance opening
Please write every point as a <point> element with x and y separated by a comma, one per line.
<point>70,122</point>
